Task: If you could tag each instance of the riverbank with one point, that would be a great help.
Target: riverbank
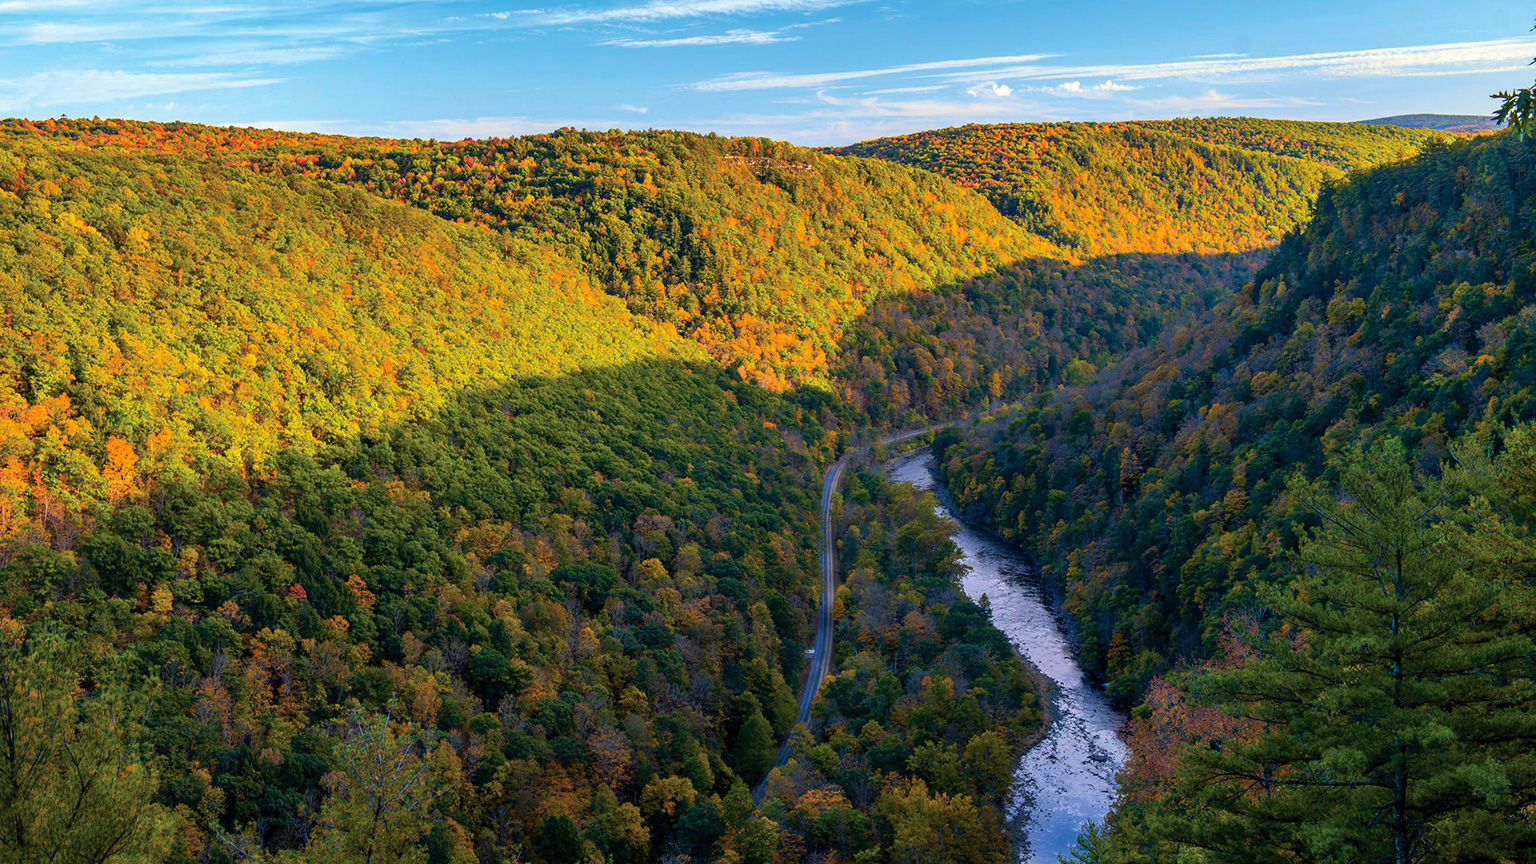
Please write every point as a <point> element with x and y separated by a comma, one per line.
<point>1066,777</point>
<point>1043,686</point>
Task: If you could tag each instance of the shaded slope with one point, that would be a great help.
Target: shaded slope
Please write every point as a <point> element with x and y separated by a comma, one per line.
<point>1021,329</point>
<point>1406,306</point>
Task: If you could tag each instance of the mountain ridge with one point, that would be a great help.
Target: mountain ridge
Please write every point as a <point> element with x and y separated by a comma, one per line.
<point>1445,122</point>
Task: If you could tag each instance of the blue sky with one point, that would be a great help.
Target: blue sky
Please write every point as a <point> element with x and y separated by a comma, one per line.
<point>812,71</point>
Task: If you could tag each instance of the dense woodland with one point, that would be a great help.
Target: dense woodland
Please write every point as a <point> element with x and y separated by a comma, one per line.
<point>1156,222</point>
<point>343,531</point>
<point>408,501</point>
<point>1147,489</point>
<point>1168,500</point>
<point>760,251</point>
<point>1198,185</point>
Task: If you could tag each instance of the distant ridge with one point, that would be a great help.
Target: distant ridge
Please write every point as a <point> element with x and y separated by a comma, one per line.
<point>1442,122</point>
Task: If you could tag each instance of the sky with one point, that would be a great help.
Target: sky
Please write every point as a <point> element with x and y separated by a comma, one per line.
<point>816,72</point>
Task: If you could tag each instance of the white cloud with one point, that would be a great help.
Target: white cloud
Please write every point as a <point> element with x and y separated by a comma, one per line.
<point>1457,58</point>
<point>260,57</point>
<point>634,109</point>
<point>729,37</point>
<point>12,6</point>
<point>894,90</point>
<point>1447,59</point>
<point>58,33</point>
<point>769,81</point>
<point>45,89</point>
<point>991,88</point>
<point>1076,88</point>
<point>1214,101</point>
<point>666,10</point>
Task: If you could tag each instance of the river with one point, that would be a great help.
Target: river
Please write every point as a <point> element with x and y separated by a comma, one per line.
<point>1068,779</point>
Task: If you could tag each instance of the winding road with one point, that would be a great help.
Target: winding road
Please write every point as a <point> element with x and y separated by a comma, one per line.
<point>821,651</point>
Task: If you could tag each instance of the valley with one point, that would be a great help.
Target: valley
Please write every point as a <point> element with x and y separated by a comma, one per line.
<point>1066,780</point>
<point>520,499</point>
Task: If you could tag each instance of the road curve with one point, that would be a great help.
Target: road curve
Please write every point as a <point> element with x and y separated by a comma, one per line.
<point>821,651</point>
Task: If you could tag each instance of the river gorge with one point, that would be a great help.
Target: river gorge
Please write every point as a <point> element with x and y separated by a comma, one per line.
<point>1067,779</point>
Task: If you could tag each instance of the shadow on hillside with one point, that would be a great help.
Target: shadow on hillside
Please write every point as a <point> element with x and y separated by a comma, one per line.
<point>1022,328</point>
<point>443,568</point>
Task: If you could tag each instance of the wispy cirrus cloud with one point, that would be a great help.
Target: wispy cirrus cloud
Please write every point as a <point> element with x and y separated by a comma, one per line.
<point>259,57</point>
<point>738,36</point>
<point>770,81</point>
<point>665,10</point>
<point>1446,59</point>
<point>1454,58</point>
<point>71,32</point>
<point>279,24</point>
<point>927,88</point>
<point>729,37</point>
<point>47,89</point>
<point>14,6</point>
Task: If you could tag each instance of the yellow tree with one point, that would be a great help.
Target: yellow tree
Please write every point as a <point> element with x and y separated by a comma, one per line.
<point>928,828</point>
<point>382,796</point>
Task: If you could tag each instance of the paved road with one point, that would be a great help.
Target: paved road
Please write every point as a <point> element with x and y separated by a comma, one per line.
<point>821,651</point>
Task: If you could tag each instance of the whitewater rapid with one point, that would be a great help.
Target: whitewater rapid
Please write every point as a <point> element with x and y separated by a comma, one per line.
<point>1068,779</point>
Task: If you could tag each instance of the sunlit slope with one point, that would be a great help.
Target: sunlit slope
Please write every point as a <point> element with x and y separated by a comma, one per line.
<point>1346,146</point>
<point>761,251</point>
<point>156,312</point>
<point>1207,186</point>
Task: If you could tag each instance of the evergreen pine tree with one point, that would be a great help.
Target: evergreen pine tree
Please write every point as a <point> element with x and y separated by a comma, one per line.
<point>754,744</point>
<point>1395,702</point>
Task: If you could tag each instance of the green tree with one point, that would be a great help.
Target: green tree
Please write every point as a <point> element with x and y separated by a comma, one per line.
<point>1394,706</point>
<point>74,786</point>
<point>618,829</point>
<point>754,744</point>
<point>758,841</point>
<point>560,841</point>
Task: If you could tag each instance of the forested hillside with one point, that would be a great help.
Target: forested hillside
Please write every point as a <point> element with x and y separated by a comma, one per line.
<point>1021,329</point>
<point>337,530</point>
<point>373,500</point>
<point>1196,185</point>
<point>561,617</point>
<point>760,251</point>
<point>1157,222</point>
<point>164,315</point>
<point>1168,499</point>
<point>1403,308</point>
